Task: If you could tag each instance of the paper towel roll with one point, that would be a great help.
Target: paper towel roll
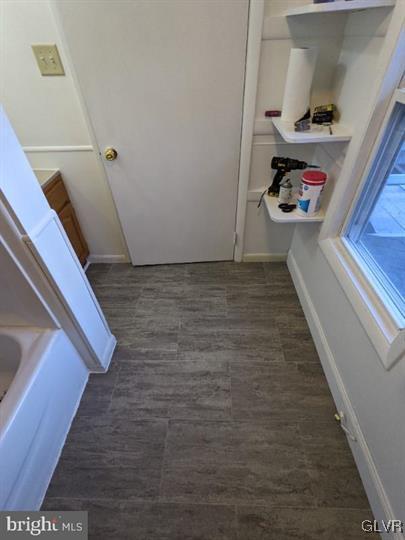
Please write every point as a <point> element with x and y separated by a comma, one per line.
<point>301,67</point>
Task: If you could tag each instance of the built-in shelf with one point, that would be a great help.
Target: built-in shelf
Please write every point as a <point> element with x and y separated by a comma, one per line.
<point>339,6</point>
<point>317,134</point>
<point>271,204</point>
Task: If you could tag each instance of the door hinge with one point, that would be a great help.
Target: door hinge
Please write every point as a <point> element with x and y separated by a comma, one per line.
<point>235,238</point>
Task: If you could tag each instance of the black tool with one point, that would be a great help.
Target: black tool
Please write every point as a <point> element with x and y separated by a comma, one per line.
<point>303,123</point>
<point>287,208</point>
<point>323,114</point>
<point>284,165</point>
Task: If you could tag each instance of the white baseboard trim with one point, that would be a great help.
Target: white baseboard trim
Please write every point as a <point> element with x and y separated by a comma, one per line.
<point>91,259</point>
<point>374,487</point>
<point>107,355</point>
<point>264,257</point>
<point>58,455</point>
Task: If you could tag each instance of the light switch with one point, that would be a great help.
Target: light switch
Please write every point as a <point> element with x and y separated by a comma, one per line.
<point>48,59</point>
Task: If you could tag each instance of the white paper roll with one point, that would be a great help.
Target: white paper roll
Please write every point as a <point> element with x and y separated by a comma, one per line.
<point>301,67</point>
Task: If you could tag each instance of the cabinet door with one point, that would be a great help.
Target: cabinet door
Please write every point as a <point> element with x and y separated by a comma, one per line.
<point>72,228</point>
<point>56,194</point>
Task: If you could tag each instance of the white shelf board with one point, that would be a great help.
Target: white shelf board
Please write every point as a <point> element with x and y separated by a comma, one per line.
<point>271,204</point>
<point>339,6</point>
<point>317,134</point>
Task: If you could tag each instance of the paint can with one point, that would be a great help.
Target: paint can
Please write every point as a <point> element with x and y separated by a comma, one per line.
<point>309,198</point>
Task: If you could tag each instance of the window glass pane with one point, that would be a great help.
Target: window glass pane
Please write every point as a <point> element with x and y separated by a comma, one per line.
<point>377,230</point>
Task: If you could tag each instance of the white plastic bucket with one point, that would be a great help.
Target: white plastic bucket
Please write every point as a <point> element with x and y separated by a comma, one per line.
<point>309,198</point>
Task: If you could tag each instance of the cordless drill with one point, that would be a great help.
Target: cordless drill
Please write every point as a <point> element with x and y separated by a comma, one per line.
<point>284,165</point>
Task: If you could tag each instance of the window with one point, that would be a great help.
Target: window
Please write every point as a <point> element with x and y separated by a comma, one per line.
<point>375,234</point>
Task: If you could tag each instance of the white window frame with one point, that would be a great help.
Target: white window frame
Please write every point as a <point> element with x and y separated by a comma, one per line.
<point>377,319</point>
<point>372,192</point>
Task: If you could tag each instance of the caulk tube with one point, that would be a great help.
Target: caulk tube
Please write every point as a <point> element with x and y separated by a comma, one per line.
<point>285,192</point>
<point>297,90</point>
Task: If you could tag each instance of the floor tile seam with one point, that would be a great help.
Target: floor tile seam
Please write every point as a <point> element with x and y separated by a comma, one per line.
<point>250,421</point>
<point>284,361</point>
<point>262,363</point>
<point>248,324</point>
<point>236,521</point>
<point>110,398</point>
<point>148,363</point>
<point>68,456</point>
<point>110,269</point>
<point>97,277</point>
<point>191,420</point>
<point>146,501</point>
<point>191,369</point>
<point>113,416</point>
<point>165,501</point>
<point>108,411</point>
<point>322,423</point>
<point>162,465</point>
<point>293,507</point>
<point>152,499</point>
<point>147,349</point>
<point>142,350</point>
<point>357,508</point>
<point>308,469</point>
<point>227,465</point>
<point>230,391</point>
<point>259,502</point>
<point>160,360</point>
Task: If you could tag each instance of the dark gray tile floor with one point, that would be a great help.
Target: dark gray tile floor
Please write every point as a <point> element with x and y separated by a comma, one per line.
<point>215,421</point>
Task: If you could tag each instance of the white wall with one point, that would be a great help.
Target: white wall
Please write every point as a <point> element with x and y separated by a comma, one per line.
<point>46,112</point>
<point>354,76</point>
<point>19,305</point>
<point>362,388</point>
<point>376,396</point>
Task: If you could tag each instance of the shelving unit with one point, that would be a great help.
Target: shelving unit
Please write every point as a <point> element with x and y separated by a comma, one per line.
<point>339,6</point>
<point>317,134</point>
<point>271,204</point>
<point>347,73</point>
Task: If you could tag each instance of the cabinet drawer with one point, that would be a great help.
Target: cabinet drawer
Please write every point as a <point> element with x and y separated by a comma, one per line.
<point>56,194</point>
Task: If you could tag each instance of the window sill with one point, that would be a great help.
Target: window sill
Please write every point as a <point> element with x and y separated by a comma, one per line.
<point>386,337</point>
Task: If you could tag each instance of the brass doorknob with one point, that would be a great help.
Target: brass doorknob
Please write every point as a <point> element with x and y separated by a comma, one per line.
<point>110,154</point>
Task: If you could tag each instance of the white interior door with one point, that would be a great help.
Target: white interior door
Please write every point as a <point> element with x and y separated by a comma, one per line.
<point>163,84</point>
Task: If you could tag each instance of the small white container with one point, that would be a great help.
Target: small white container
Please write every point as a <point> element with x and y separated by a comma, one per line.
<point>309,198</point>
<point>285,193</point>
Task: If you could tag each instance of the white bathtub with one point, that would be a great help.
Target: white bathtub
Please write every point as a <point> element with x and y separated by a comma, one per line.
<point>21,350</point>
<point>41,380</point>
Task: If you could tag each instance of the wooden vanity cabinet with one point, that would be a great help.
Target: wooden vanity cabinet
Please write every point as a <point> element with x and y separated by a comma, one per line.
<point>58,199</point>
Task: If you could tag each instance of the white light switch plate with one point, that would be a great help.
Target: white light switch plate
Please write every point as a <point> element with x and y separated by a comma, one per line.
<point>48,59</point>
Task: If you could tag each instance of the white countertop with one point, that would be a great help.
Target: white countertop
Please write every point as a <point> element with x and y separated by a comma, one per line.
<point>45,175</point>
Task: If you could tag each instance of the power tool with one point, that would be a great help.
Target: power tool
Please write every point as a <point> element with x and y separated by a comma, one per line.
<point>284,165</point>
